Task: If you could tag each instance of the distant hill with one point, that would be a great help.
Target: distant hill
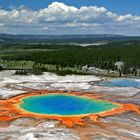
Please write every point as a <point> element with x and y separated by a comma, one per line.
<point>64,38</point>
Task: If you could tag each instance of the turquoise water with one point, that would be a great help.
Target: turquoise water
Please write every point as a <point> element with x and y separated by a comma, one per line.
<point>121,83</point>
<point>65,104</point>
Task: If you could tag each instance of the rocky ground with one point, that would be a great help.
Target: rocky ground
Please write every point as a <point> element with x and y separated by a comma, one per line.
<point>125,126</point>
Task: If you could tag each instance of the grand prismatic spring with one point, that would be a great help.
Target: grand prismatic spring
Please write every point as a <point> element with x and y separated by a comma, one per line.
<point>68,107</point>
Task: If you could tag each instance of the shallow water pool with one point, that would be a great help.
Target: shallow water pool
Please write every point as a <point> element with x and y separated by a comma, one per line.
<point>121,83</point>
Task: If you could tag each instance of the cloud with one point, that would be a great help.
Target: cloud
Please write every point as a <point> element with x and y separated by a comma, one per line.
<point>59,18</point>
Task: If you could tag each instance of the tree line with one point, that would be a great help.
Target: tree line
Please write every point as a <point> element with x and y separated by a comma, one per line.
<point>103,57</point>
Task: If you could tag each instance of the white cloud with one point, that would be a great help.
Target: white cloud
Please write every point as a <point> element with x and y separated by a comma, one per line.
<point>59,18</point>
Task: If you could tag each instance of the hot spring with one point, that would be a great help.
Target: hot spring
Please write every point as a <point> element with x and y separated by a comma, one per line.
<point>65,105</point>
<point>121,83</point>
<point>70,108</point>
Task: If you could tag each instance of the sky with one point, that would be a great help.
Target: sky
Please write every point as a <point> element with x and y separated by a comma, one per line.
<point>70,17</point>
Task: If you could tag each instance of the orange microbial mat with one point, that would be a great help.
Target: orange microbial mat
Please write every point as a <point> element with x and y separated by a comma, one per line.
<point>70,108</point>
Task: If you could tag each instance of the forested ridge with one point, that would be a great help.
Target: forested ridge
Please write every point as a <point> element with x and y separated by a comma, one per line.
<point>60,55</point>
